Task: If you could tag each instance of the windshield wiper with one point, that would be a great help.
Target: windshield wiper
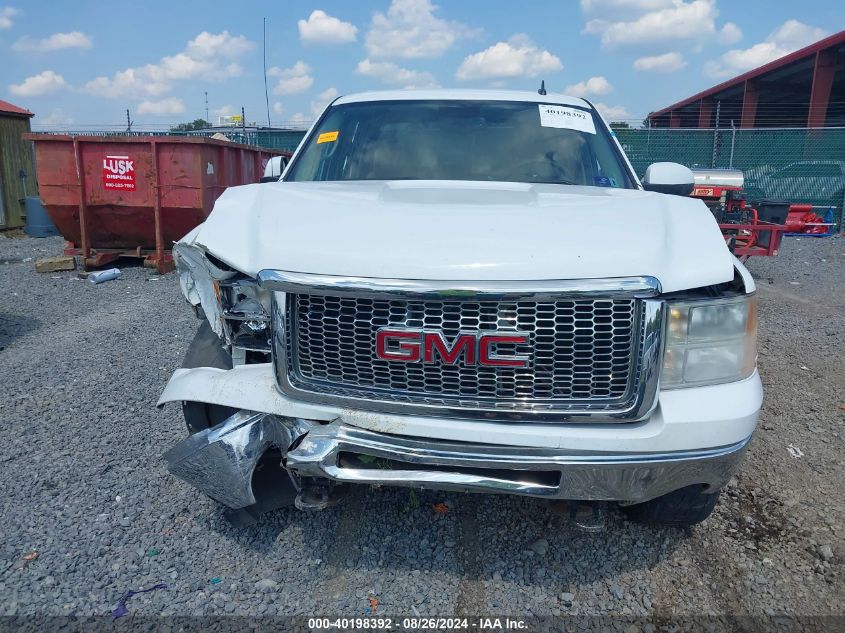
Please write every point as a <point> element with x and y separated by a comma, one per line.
<point>554,182</point>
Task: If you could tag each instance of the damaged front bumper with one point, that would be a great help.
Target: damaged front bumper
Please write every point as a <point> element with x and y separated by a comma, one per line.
<point>220,462</point>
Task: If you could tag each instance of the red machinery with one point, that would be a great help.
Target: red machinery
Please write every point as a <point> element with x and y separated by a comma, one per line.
<point>748,230</point>
<point>802,219</point>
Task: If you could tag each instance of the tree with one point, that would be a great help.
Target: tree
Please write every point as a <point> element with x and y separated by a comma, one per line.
<point>619,125</point>
<point>196,124</point>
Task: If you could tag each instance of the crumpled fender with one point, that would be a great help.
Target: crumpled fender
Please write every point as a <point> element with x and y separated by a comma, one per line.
<point>250,387</point>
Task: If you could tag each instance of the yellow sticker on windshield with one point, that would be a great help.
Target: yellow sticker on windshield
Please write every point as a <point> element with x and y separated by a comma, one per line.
<point>327,137</point>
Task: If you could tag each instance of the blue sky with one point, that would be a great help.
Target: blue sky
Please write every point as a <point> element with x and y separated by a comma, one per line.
<point>83,63</point>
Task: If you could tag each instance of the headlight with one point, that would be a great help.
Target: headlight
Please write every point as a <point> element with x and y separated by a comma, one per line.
<point>247,314</point>
<point>710,342</point>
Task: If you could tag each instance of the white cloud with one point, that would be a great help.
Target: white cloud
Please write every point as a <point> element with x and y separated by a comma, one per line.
<point>7,15</point>
<point>796,34</point>
<point>518,57</point>
<point>225,110</point>
<point>211,46</point>
<point>613,113</point>
<point>292,80</point>
<point>132,83</point>
<point>693,20</point>
<point>323,99</point>
<point>293,85</point>
<point>328,94</point>
<point>321,28</point>
<point>299,117</point>
<point>163,107</point>
<point>410,30</point>
<point>43,83</point>
<point>592,6</point>
<point>730,34</point>
<point>670,62</point>
<point>390,73</point>
<point>592,86</point>
<point>208,56</point>
<point>788,37</point>
<point>56,117</point>
<point>299,68</point>
<point>56,42</point>
<point>277,107</point>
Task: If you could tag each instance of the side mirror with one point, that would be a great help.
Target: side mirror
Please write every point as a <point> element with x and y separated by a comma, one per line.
<point>670,178</point>
<point>273,170</point>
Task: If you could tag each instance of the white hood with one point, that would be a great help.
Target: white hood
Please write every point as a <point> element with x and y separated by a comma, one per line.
<point>447,230</point>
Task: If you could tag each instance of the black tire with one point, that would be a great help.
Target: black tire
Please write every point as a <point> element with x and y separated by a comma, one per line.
<point>205,351</point>
<point>681,508</point>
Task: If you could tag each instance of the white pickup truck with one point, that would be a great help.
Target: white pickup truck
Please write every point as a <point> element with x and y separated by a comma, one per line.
<point>466,290</point>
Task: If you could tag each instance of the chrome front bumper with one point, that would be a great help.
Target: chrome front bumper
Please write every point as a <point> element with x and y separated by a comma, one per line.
<point>220,462</point>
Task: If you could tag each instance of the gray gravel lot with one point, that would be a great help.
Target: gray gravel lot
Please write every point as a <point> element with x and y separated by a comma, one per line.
<point>83,484</point>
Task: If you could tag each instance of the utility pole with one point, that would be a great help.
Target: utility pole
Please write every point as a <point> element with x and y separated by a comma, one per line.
<point>206,107</point>
<point>266,94</point>
<point>128,122</point>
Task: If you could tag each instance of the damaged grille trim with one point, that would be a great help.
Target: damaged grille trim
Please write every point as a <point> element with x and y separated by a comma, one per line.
<point>635,403</point>
<point>373,288</point>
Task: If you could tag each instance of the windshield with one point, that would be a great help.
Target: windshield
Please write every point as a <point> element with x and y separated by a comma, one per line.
<point>461,140</point>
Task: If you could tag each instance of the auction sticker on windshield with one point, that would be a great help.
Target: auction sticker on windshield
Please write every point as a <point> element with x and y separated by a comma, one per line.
<point>327,137</point>
<point>566,118</point>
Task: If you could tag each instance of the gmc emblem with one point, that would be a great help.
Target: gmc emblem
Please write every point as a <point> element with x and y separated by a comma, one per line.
<point>415,346</point>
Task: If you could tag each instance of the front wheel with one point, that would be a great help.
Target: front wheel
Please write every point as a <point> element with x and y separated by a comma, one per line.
<point>681,508</point>
<point>272,486</point>
<point>205,351</point>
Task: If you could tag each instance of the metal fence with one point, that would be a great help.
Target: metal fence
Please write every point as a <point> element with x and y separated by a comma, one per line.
<point>271,139</point>
<point>794,164</point>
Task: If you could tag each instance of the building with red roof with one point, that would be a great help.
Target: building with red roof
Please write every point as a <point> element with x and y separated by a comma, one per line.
<point>803,89</point>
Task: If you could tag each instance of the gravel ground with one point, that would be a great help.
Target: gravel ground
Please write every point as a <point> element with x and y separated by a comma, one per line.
<point>80,442</point>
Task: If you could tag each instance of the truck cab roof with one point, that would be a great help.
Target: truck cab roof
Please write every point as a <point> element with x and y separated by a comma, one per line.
<point>463,95</point>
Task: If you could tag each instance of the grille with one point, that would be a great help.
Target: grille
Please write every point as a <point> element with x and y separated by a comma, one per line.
<point>582,352</point>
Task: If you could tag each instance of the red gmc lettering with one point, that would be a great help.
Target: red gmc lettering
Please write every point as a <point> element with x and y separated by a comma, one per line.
<point>488,357</point>
<point>404,351</point>
<point>410,346</point>
<point>464,344</point>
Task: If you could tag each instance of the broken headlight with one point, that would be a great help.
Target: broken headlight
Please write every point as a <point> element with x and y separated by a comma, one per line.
<point>246,310</point>
<point>710,342</point>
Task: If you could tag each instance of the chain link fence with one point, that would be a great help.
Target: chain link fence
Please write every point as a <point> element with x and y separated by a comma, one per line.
<point>793,164</point>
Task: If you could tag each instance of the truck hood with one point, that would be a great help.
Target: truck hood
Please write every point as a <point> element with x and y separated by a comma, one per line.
<point>480,231</point>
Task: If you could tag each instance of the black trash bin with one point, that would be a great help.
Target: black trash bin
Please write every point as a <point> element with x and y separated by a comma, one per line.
<point>772,212</point>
